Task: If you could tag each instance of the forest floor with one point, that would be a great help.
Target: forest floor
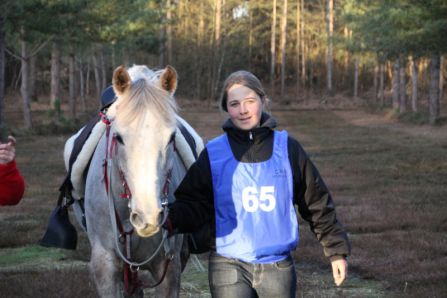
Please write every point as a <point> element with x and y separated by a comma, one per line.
<point>387,179</point>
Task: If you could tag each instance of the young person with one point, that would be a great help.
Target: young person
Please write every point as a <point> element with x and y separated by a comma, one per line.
<point>12,184</point>
<point>246,184</point>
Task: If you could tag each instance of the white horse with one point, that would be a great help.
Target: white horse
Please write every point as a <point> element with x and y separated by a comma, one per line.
<point>132,176</point>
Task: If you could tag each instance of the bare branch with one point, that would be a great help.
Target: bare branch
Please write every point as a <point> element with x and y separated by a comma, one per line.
<point>10,52</point>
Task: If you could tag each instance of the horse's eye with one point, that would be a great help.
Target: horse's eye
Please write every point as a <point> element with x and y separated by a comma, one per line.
<point>119,139</point>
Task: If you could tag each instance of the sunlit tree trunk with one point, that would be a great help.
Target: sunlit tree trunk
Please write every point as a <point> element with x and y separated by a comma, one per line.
<point>396,84</point>
<point>169,32</point>
<point>345,77</point>
<point>199,51</point>
<point>283,45</point>
<point>382,84</point>
<point>414,85</point>
<point>356,77</point>
<point>24,85</point>
<point>162,48</point>
<point>303,56</point>
<point>55,75</point>
<point>217,48</point>
<point>297,46</point>
<point>402,85</point>
<point>250,39</point>
<point>273,49</point>
<point>433,109</point>
<point>376,82</point>
<point>330,56</point>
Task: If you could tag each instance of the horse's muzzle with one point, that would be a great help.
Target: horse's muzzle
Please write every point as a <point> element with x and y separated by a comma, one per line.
<point>142,226</point>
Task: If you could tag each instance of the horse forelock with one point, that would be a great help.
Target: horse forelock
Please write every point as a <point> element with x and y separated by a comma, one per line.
<point>143,98</point>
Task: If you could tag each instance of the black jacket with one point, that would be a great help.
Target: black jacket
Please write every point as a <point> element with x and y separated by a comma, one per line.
<point>194,205</point>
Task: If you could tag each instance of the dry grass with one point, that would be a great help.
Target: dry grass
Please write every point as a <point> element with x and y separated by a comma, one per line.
<point>388,184</point>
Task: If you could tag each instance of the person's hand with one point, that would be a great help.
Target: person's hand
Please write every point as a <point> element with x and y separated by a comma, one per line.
<point>167,225</point>
<point>8,150</point>
<point>339,270</point>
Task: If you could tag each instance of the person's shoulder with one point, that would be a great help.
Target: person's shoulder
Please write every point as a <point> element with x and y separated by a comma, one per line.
<point>8,167</point>
<point>295,148</point>
<point>292,141</point>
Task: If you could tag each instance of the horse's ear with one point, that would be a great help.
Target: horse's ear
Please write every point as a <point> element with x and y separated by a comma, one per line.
<point>121,80</point>
<point>168,79</point>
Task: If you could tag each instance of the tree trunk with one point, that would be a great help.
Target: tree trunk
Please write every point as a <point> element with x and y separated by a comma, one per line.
<point>220,42</point>
<point>433,109</point>
<point>25,84</point>
<point>330,55</point>
<point>71,85</point>
<point>356,77</point>
<point>273,49</point>
<point>162,48</point>
<point>2,70</point>
<point>32,78</point>
<point>346,75</point>
<point>82,90</point>
<point>376,82</point>
<point>199,52</point>
<point>297,48</point>
<point>396,84</point>
<point>169,32</point>
<point>217,49</point>
<point>402,91</point>
<point>441,80</point>
<point>250,40</point>
<point>414,85</point>
<point>55,75</point>
<point>87,79</point>
<point>381,84</point>
<point>303,59</point>
<point>103,71</point>
<point>97,76</point>
<point>283,45</point>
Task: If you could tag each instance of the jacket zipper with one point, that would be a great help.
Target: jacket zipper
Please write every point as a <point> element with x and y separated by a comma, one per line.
<point>250,155</point>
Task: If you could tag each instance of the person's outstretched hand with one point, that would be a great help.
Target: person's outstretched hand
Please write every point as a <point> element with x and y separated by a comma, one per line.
<point>8,150</point>
<point>339,270</point>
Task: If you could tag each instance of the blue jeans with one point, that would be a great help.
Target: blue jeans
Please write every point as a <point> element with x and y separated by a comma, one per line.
<point>230,278</point>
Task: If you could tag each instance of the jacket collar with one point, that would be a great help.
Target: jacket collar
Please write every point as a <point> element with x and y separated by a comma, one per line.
<point>268,123</point>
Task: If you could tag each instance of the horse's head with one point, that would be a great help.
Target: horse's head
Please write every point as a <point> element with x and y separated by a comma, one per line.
<point>143,126</point>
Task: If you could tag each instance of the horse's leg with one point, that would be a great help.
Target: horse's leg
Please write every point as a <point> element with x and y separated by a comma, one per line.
<point>104,269</point>
<point>170,287</point>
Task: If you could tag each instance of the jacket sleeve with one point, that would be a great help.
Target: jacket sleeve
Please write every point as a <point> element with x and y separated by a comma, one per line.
<point>315,203</point>
<point>12,184</point>
<point>194,205</point>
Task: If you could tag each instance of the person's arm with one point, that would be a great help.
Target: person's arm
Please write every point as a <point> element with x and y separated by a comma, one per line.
<point>194,203</point>
<point>12,184</point>
<point>316,206</point>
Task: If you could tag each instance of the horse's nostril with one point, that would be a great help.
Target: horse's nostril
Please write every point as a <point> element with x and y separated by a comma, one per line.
<point>135,219</point>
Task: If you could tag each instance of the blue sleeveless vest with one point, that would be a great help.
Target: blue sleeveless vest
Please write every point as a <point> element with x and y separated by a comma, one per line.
<point>255,218</point>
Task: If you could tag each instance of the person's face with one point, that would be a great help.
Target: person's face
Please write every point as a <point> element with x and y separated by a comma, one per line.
<point>244,107</point>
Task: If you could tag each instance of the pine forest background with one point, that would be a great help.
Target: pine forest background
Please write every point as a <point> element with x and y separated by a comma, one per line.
<point>63,52</point>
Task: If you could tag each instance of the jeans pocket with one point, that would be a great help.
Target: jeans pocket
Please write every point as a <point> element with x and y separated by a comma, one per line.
<point>222,271</point>
<point>285,264</point>
<point>223,277</point>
